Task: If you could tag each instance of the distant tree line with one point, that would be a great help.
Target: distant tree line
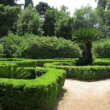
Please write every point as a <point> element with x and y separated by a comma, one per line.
<point>45,20</point>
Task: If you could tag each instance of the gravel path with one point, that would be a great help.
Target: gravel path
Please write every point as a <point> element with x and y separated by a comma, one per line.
<point>80,95</point>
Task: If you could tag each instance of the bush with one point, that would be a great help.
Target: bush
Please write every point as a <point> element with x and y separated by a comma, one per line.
<point>12,45</point>
<point>32,46</point>
<point>35,94</point>
<point>83,72</point>
<point>101,48</point>
<point>48,47</point>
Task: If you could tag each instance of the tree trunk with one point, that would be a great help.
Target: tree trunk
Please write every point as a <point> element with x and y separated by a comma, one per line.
<point>87,54</point>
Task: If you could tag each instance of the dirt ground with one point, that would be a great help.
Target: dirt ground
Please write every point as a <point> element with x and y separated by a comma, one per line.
<point>80,95</point>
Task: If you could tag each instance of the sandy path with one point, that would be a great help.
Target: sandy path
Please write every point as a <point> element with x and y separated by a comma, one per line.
<point>80,95</point>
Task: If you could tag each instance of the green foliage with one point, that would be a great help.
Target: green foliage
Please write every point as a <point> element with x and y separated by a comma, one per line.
<point>36,94</point>
<point>27,3</point>
<point>9,71</point>
<point>29,21</point>
<point>49,23</point>
<point>83,72</point>
<point>101,48</point>
<point>42,7</point>
<point>103,18</point>
<point>32,46</point>
<point>8,17</point>
<point>84,17</point>
<point>87,36</point>
<point>64,24</point>
<point>48,47</point>
<point>1,50</point>
<point>58,23</point>
<point>8,2</point>
<point>12,45</point>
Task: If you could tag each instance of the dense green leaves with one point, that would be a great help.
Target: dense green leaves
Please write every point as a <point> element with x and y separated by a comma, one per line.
<point>84,17</point>
<point>33,46</point>
<point>42,8</point>
<point>29,21</point>
<point>8,17</point>
<point>13,72</point>
<point>27,3</point>
<point>87,34</point>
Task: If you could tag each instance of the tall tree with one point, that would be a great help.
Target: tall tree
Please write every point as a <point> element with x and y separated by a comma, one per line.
<point>49,22</point>
<point>84,17</point>
<point>8,2</point>
<point>8,17</point>
<point>42,7</point>
<point>28,2</point>
<point>103,16</point>
<point>29,21</point>
<point>64,24</point>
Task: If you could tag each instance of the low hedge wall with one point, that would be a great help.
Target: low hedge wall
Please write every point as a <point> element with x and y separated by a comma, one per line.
<point>83,72</point>
<point>35,94</point>
<point>102,61</point>
<point>32,62</point>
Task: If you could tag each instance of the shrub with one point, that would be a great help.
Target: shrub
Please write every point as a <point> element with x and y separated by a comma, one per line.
<point>32,46</point>
<point>13,45</point>
<point>36,94</point>
<point>83,72</point>
<point>101,49</point>
<point>48,47</point>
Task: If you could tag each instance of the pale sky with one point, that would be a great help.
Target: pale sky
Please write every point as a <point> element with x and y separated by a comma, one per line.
<point>71,4</point>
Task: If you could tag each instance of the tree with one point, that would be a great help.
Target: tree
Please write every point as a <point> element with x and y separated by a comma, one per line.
<point>64,24</point>
<point>28,2</point>
<point>86,36</point>
<point>84,17</point>
<point>29,21</point>
<point>42,7</point>
<point>8,2</point>
<point>49,22</point>
<point>8,17</point>
<point>58,23</point>
<point>103,18</point>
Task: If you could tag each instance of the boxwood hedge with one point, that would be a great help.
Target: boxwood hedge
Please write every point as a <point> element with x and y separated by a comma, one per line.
<point>83,72</point>
<point>35,94</point>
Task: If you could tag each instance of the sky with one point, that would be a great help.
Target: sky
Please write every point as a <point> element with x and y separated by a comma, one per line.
<point>71,4</point>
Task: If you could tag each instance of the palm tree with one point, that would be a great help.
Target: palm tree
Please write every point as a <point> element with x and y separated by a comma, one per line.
<point>86,36</point>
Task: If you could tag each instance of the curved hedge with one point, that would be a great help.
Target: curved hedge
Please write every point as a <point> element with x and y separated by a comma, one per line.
<point>35,94</point>
<point>83,72</point>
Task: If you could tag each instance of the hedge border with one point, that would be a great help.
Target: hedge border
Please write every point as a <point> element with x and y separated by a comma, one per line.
<point>83,72</point>
<point>32,94</point>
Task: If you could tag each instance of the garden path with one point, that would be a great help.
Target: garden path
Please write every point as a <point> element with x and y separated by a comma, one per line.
<point>81,95</point>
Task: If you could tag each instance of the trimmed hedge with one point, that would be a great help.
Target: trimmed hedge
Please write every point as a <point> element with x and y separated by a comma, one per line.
<point>83,72</point>
<point>102,61</point>
<point>35,94</point>
<point>32,62</point>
